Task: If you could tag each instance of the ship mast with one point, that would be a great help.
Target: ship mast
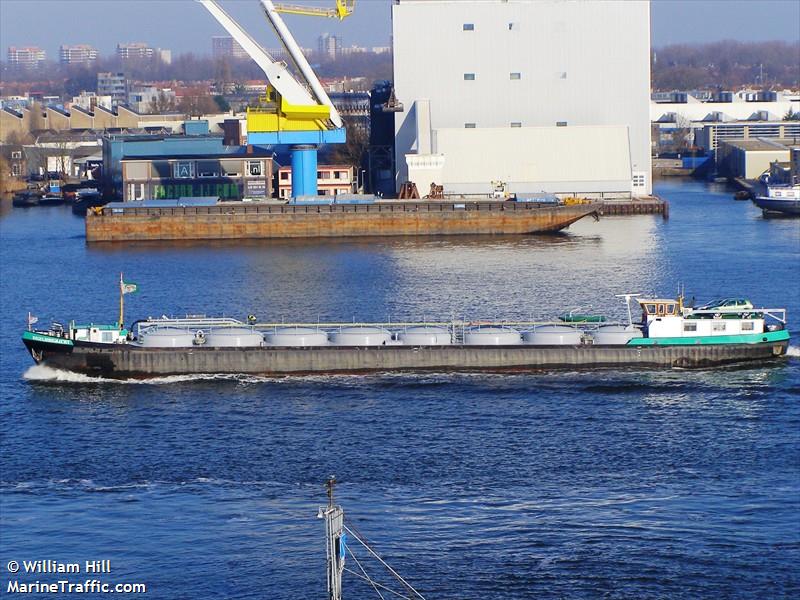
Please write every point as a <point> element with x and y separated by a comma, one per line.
<point>334,541</point>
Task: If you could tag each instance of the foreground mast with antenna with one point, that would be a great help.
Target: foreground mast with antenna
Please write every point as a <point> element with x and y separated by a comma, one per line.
<point>336,537</point>
<point>334,541</point>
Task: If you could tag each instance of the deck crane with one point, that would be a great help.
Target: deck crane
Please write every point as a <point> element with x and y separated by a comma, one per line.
<point>343,9</point>
<point>292,113</point>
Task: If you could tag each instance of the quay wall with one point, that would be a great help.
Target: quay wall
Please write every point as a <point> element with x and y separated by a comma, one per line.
<point>242,220</point>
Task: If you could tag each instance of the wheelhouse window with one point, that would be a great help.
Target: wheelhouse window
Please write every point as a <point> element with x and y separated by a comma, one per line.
<point>688,327</point>
<point>469,27</point>
<point>718,327</point>
<point>469,76</point>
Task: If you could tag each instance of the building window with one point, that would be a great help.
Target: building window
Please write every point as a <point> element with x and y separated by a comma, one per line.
<point>469,26</point>
<point>690,326</point>
<point>513,26</point>
<point>469,76</point>
<point>638,179</point>
<point>516,124</point>
<point>183,169</point>
<point>337,174</point>
<point>516,76</point>
<point>469,125</point>
<point>16,154</point>
<point>231,168</point>
<point>255,168</point>
<point>208,168</point>
<point>15,170</point>
<point>561,123</point>
<point>562,75</point>
<point>284,175</point>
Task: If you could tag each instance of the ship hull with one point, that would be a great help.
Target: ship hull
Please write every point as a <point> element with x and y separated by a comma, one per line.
<point>247,220</point>
<point>131,361</point>
<point>778,206</point>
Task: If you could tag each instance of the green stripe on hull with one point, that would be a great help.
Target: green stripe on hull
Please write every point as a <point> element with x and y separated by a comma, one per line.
<point>48,339</point>
<point>748,338</point>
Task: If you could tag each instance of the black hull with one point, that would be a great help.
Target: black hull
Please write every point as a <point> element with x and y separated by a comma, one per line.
<point>789,208</point>
<point>127,361</point>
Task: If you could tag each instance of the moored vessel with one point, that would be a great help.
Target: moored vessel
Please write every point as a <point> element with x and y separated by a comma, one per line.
<point>668,335</point>
<point>780,200</point>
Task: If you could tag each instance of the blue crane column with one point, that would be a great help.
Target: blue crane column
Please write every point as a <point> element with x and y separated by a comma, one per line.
<point>304,170</point>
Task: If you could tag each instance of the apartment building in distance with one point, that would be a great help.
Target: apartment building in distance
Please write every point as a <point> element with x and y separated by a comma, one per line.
<point>328,46</point>
<point>27,57</point>
<point>134,51</point>
<point>223,46</point>
<point>113,84</point>
<point>78,54</point>
<point>141,51</point>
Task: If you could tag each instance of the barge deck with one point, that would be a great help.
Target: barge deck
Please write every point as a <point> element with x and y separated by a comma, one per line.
<point>248,220</point>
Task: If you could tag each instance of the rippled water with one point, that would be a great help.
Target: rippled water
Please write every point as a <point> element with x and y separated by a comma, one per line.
<point>615,484</point>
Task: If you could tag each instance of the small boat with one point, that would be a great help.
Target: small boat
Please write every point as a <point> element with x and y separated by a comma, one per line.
<point>780,200</point>
<point>85,199</point>
<point>669,335</point>
<point>51,200</point>
<point>582,318</point>
<point>743,195</point>
<point>26,198</point>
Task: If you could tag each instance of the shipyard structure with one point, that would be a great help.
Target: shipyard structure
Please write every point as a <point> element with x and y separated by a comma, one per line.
<point>497,90</point>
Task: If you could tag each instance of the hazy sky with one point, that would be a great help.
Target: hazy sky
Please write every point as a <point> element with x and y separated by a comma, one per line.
<point>184,26</point>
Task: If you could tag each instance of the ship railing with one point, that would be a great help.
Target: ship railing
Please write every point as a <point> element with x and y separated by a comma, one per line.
<point>251,208</point>
<point>456,327</point>
<point>778,314</point>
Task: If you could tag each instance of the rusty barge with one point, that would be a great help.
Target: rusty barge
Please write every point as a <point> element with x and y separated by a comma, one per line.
<point>251,220</point>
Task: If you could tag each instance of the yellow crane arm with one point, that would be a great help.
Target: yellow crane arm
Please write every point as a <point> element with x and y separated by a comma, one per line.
<point>343,8</point>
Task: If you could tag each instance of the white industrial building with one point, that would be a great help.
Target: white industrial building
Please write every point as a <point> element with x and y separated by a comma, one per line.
<point>543,95</point>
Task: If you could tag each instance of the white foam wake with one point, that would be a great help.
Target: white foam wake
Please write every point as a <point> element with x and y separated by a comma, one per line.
<point>45,373</point>
<point>793,351</point>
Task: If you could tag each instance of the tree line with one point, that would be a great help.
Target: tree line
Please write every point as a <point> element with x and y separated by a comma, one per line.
<point>69,80</point>
<point>726,65</point>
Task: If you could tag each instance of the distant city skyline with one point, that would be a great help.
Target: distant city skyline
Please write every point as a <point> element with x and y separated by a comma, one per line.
<point>183,26</point>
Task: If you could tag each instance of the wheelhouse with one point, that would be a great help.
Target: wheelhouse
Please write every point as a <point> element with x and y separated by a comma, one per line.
<point>652,308</point>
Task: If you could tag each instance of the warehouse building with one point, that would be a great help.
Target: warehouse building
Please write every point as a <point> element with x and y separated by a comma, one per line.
<point>751,158</point>
<point>498,91</point>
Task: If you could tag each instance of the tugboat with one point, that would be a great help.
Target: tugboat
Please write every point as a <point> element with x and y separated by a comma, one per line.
<point>668,335</point>
<point>780,200</point>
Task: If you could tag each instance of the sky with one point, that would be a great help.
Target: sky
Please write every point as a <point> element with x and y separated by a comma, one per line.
<point>184,26</point>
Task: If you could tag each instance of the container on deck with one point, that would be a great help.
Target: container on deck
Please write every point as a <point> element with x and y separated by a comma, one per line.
<point>553,335</point>
<point>425,336</point>
<point>233,337</point>
<point>297,337</point>
<point>492,336</point>
<point>361,336</point>
<point>167,337</point>
<point>614,335</point>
